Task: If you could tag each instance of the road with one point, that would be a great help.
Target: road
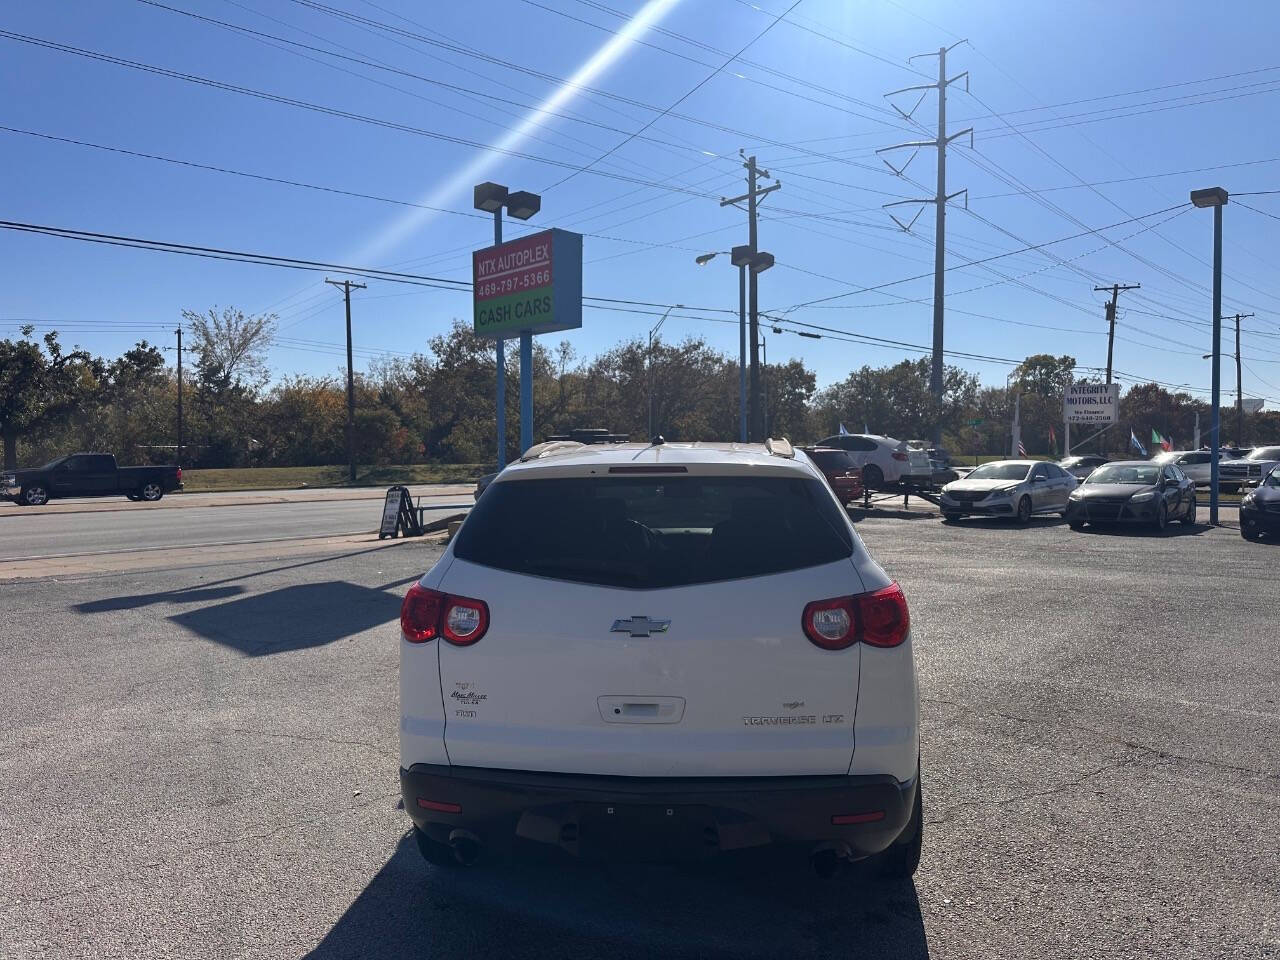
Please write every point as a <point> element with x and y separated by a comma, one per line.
<point>80,527</point>
<point>202,762</point>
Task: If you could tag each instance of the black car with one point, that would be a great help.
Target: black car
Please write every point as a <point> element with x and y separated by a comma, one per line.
<point>1082,465</point>
<point>1133,491</point>
<point>1260,509</point>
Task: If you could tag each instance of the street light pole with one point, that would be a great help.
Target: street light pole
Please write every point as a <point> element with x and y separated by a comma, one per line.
<point>1215,197</point>
<point>502,364</point>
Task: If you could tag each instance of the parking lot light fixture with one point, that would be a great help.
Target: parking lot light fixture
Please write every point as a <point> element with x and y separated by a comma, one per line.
<point>1215,197</point>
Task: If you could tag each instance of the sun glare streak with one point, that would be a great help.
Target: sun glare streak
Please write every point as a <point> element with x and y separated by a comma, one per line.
<point>403,226</point>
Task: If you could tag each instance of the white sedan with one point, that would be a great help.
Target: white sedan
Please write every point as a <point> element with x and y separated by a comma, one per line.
<point>1018,489</point>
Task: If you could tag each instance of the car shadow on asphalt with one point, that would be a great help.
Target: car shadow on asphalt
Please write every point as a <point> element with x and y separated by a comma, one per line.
<point>292,618</point>
<point>757,905</point>
<point>193,595</point>
<point>1142,531</point>
<point>1006,523</point>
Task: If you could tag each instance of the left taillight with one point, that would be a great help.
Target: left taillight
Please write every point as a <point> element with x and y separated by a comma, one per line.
<point>879,618</point>
<point>179,474</point>
<point>899,455</point>
<point>427,614</point>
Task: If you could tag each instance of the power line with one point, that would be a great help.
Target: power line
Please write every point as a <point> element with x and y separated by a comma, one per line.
<point>696,87</point>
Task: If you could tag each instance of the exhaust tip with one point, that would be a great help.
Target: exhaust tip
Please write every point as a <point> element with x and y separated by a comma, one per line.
<point>825,863</point>
<point>466,847</point>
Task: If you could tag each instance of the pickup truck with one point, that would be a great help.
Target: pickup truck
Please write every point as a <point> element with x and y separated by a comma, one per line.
<point>88,475</point>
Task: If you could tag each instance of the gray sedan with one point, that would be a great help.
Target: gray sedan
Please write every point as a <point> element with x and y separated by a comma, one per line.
<point>1008,488</point>
<point>1134,491</point>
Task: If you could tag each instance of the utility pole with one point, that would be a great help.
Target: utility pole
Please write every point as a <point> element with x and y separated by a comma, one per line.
<point>179,393</point>
<point>1239,381</point>
<point>346,286</point>
<point>1116,289</point>
<point>939,200</point>
<point>752,196</point>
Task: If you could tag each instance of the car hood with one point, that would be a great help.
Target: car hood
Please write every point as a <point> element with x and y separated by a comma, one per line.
<point>1245,462</point>
<point>976,486</point>
<point>1112,489</point>
<point>1266,495</point>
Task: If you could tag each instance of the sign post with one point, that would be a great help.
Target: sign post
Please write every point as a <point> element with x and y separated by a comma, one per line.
<point>528,286</point>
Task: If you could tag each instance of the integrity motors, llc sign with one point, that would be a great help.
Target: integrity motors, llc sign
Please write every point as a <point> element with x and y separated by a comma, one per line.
<point>534,284</point>
<point>1091,403</point>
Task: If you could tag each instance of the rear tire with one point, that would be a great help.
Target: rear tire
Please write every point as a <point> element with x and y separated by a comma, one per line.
<point>872,477</point>
<point>435,853</point>
<point>902,859</point>
<point>1024,511</point>
<point>151,492</point>
<point>34,496</point>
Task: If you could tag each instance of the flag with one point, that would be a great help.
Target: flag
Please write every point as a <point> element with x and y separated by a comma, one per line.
<point>843,431</point>
<point>865,428</point>
<point>1053,441</point>
<point>1167,443</point>
<point>1133,440</point>
<point>1022,449</point>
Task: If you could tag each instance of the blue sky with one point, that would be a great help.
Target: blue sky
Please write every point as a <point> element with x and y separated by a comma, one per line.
<point>1062,94</point>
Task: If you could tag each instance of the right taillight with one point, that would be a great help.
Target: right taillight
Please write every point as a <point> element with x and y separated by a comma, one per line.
<point>427,614</point>
<point>879,618</point>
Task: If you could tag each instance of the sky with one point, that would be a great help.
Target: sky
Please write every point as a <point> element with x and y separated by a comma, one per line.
<point>628,118</point>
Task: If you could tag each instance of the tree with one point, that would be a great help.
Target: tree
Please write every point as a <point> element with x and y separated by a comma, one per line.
<point>40,387</point>
<point>232,342</point>
<point>896,400</point>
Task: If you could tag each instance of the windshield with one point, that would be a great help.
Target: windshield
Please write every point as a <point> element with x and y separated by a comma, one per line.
<point>51,464</point>
<point>999,471</point>
<point>1273,478</point>
<point>1137,473</point>
<point>650,533</point>
<point>1165,457</point>
<point>1265,453</point>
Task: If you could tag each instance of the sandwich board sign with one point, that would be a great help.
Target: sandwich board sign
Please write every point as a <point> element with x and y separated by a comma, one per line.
<point>1091,403</point>
<point>533,285</point>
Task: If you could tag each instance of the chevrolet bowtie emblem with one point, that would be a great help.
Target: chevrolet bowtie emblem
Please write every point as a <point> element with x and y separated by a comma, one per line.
<point>640,626</point>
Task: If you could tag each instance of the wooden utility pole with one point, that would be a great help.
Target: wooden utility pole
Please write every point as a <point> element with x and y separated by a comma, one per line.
<point>1116,289</point>
<point>179,332</point>
<point>752,196</point>
<point>1239,382</point>
<point>346,286</point>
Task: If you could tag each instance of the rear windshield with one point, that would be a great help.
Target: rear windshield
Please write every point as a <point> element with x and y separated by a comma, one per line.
<point>647,533</point>
<point>833,459</point>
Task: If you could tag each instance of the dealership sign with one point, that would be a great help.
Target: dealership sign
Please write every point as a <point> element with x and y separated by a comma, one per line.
<point>1091,402</point>
<point>533,284</point>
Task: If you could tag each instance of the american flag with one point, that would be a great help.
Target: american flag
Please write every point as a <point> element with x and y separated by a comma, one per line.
<point>1022,449</point>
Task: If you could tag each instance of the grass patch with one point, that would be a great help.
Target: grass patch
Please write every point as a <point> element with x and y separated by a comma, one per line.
<point>293,478</point>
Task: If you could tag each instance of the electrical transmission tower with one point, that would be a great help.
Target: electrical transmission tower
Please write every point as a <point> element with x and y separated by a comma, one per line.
<point>939,200</point>
<point>1116,289</point>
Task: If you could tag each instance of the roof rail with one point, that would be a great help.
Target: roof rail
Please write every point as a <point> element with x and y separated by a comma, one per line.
<point>780,447</point>
<point>550,448</point>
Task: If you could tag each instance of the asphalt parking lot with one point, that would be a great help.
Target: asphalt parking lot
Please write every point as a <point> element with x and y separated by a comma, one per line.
<point>202,762</point>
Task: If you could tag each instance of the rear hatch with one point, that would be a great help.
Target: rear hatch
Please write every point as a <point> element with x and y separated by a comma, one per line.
<point>651,626</point>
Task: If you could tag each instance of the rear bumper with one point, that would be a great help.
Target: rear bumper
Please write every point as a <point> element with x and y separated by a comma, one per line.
<point>643,818</point>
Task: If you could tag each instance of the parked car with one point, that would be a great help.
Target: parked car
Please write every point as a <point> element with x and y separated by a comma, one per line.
<point>841,473</point>
<point>1008,488</point>
<point>884,460</point>
<point>935,453</point>
<point>1260,508</point>
<point>645,649</point>
<point>942,472</point>
<point>1138,491</point>
<point>1232,474</point>
<point>89,475</point>
<point>1196,464</point>
<point>1083,465</point>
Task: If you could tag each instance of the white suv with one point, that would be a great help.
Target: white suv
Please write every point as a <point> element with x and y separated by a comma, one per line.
<point>654,650</point>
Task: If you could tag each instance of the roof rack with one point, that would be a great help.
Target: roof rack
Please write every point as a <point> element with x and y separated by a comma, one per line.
<point>780,447</point>
<point>550,448</point>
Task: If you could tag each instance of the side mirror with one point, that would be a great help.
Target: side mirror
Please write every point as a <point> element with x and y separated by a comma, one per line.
<point>1039,479</point>
<point>1251,485</point>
